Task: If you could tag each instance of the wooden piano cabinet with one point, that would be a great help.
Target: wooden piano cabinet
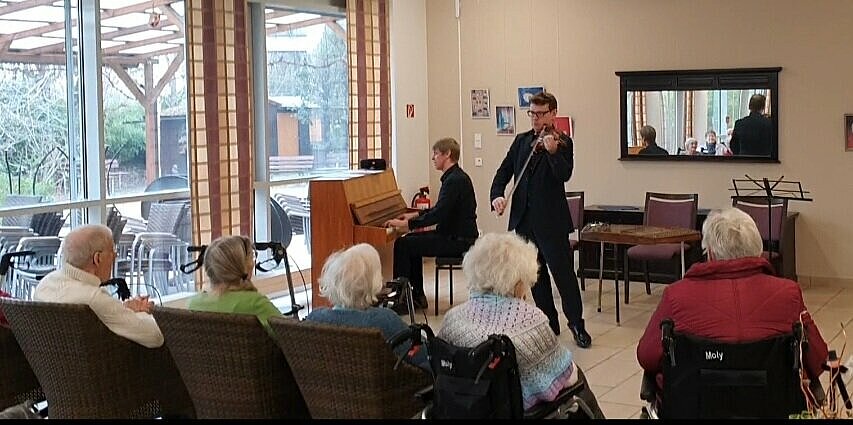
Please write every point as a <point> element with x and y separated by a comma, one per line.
<point>666,272</point>
<point>334,225</point>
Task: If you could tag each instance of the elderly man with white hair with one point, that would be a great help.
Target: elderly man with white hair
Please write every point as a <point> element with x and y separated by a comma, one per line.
<point>733,297</point>
<point>501,270</point>
<point>88,255</point>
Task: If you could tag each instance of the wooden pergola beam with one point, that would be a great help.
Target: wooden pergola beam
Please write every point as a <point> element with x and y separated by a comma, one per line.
<point>129,83</point>
<point>140,43</point>
<point>296,25</point>
<point>167,76</point>
<point>338,30</point>
<point>59,59</point>
<point>24,5</point>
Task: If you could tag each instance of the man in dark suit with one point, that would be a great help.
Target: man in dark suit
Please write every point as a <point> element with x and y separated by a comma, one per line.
<point>648,137</point>
<point>753,133</point>
<point>455,217</point>
<point>540,213</point>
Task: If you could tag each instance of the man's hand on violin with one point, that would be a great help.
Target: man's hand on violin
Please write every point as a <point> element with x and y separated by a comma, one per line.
<point>551,143</point>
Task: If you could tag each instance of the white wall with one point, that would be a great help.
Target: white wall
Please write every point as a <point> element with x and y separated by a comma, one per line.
<point>574,47</point>
<point>411,160</point>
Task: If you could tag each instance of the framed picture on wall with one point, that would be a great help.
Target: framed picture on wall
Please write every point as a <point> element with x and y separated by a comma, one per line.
<point>525,93</point>
<point>564,124</point>
<point>480,103</point>
<point>505,120</point>
<point>848,132</point>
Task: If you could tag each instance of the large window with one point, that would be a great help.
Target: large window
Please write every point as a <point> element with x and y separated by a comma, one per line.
<point>304,120</point>
<point>307,107</point>
<point>117,66</point>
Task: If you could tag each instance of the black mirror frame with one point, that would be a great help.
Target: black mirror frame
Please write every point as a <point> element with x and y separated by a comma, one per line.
<point>699,79</point>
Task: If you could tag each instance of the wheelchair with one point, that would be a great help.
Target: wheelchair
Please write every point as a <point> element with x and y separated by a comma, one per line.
<point>706,379</point>
<point>482,382</point>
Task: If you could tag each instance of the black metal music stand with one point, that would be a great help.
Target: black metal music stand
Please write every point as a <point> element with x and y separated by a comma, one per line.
<point>766,190</point>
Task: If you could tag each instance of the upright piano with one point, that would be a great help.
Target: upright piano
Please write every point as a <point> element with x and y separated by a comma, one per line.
<point>350,209</point>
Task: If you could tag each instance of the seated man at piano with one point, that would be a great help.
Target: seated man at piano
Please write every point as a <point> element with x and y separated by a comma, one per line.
<point>454,215</point>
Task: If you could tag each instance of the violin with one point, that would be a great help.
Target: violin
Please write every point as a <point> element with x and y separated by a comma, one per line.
<point>547,131</point>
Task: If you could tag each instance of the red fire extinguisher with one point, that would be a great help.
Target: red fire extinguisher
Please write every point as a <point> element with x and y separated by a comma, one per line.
<point>421,200</point>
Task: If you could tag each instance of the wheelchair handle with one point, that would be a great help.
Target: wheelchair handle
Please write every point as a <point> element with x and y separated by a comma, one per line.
<point>122,289</point>
<point>402,336</point>
<point>6,260</point>
<point>278,254</point>
<point>196,264</point>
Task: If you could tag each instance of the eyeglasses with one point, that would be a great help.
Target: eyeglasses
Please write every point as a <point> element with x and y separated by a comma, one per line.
<point>538,114</point>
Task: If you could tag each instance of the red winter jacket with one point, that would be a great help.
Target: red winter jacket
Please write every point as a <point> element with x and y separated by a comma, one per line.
<point>733,301</point>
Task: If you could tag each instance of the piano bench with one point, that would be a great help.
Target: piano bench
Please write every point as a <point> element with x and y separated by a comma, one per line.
<point>450,264</point>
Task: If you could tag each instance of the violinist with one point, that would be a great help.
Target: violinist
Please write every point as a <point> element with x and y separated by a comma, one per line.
<point>540,163</point>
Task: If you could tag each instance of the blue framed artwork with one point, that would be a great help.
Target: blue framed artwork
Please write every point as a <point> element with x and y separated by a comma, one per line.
<point>525,93</point>
<point>505,120</point>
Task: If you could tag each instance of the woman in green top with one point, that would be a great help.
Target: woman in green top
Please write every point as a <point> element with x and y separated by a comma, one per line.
<point>228,264</point>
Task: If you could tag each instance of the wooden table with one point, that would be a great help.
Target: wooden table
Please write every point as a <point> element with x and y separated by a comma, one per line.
<point>622,235</point>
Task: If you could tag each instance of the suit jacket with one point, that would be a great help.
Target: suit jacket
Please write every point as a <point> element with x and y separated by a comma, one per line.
<point>540,194</point>
<point>752,135</point>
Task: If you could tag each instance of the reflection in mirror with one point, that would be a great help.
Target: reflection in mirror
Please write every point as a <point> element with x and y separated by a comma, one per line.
<point>700,115</point>
<point>700,122</point>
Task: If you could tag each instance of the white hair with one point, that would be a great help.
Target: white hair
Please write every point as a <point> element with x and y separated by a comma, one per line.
<point>81,244</point>
<point>498,262</point>
<point>352,278</point>
<point>731,233</point>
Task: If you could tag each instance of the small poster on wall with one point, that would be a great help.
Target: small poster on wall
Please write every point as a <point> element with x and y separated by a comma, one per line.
<point>564,124</point>
<point>525,93</point>
<point>848,131</point>
<point>480,103</point>
<point>505,120</point>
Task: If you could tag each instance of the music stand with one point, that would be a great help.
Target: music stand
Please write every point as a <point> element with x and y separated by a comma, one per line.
<point>767,190</point>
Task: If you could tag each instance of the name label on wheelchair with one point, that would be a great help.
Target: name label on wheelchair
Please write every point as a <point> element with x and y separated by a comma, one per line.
<point>447,364</point>
<point>714,355</point>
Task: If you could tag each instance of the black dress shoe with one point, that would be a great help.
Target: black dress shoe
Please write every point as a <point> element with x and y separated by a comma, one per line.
<point>582,338</point>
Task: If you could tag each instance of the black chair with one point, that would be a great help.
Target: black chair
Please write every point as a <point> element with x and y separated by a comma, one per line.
<point>483,382</point>
<point>576,206</point>
<point>705,379</point>
<point>450,264</point>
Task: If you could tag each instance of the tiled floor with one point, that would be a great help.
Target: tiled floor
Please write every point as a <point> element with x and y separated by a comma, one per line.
<point>611,364</point>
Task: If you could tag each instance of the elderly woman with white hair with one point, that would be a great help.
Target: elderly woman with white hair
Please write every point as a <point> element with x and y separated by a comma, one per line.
<point>501,269</point>
<point>352,280</point>
<point>733,297</point>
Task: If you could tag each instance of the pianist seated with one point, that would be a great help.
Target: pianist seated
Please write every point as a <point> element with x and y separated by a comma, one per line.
<point>352,279</point>
<point>454,216</point>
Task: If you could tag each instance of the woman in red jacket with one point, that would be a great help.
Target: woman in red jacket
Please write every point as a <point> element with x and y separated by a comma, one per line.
<point>733,297</point>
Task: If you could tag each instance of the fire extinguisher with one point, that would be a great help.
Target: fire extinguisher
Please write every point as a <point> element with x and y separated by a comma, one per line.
<point>421,200</point>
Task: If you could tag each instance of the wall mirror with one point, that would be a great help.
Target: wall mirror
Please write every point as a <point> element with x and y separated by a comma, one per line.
<point>700,115</point>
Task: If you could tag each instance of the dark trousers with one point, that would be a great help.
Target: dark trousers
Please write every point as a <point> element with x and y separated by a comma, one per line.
<point>410,250</point>
<point>554,254</point>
